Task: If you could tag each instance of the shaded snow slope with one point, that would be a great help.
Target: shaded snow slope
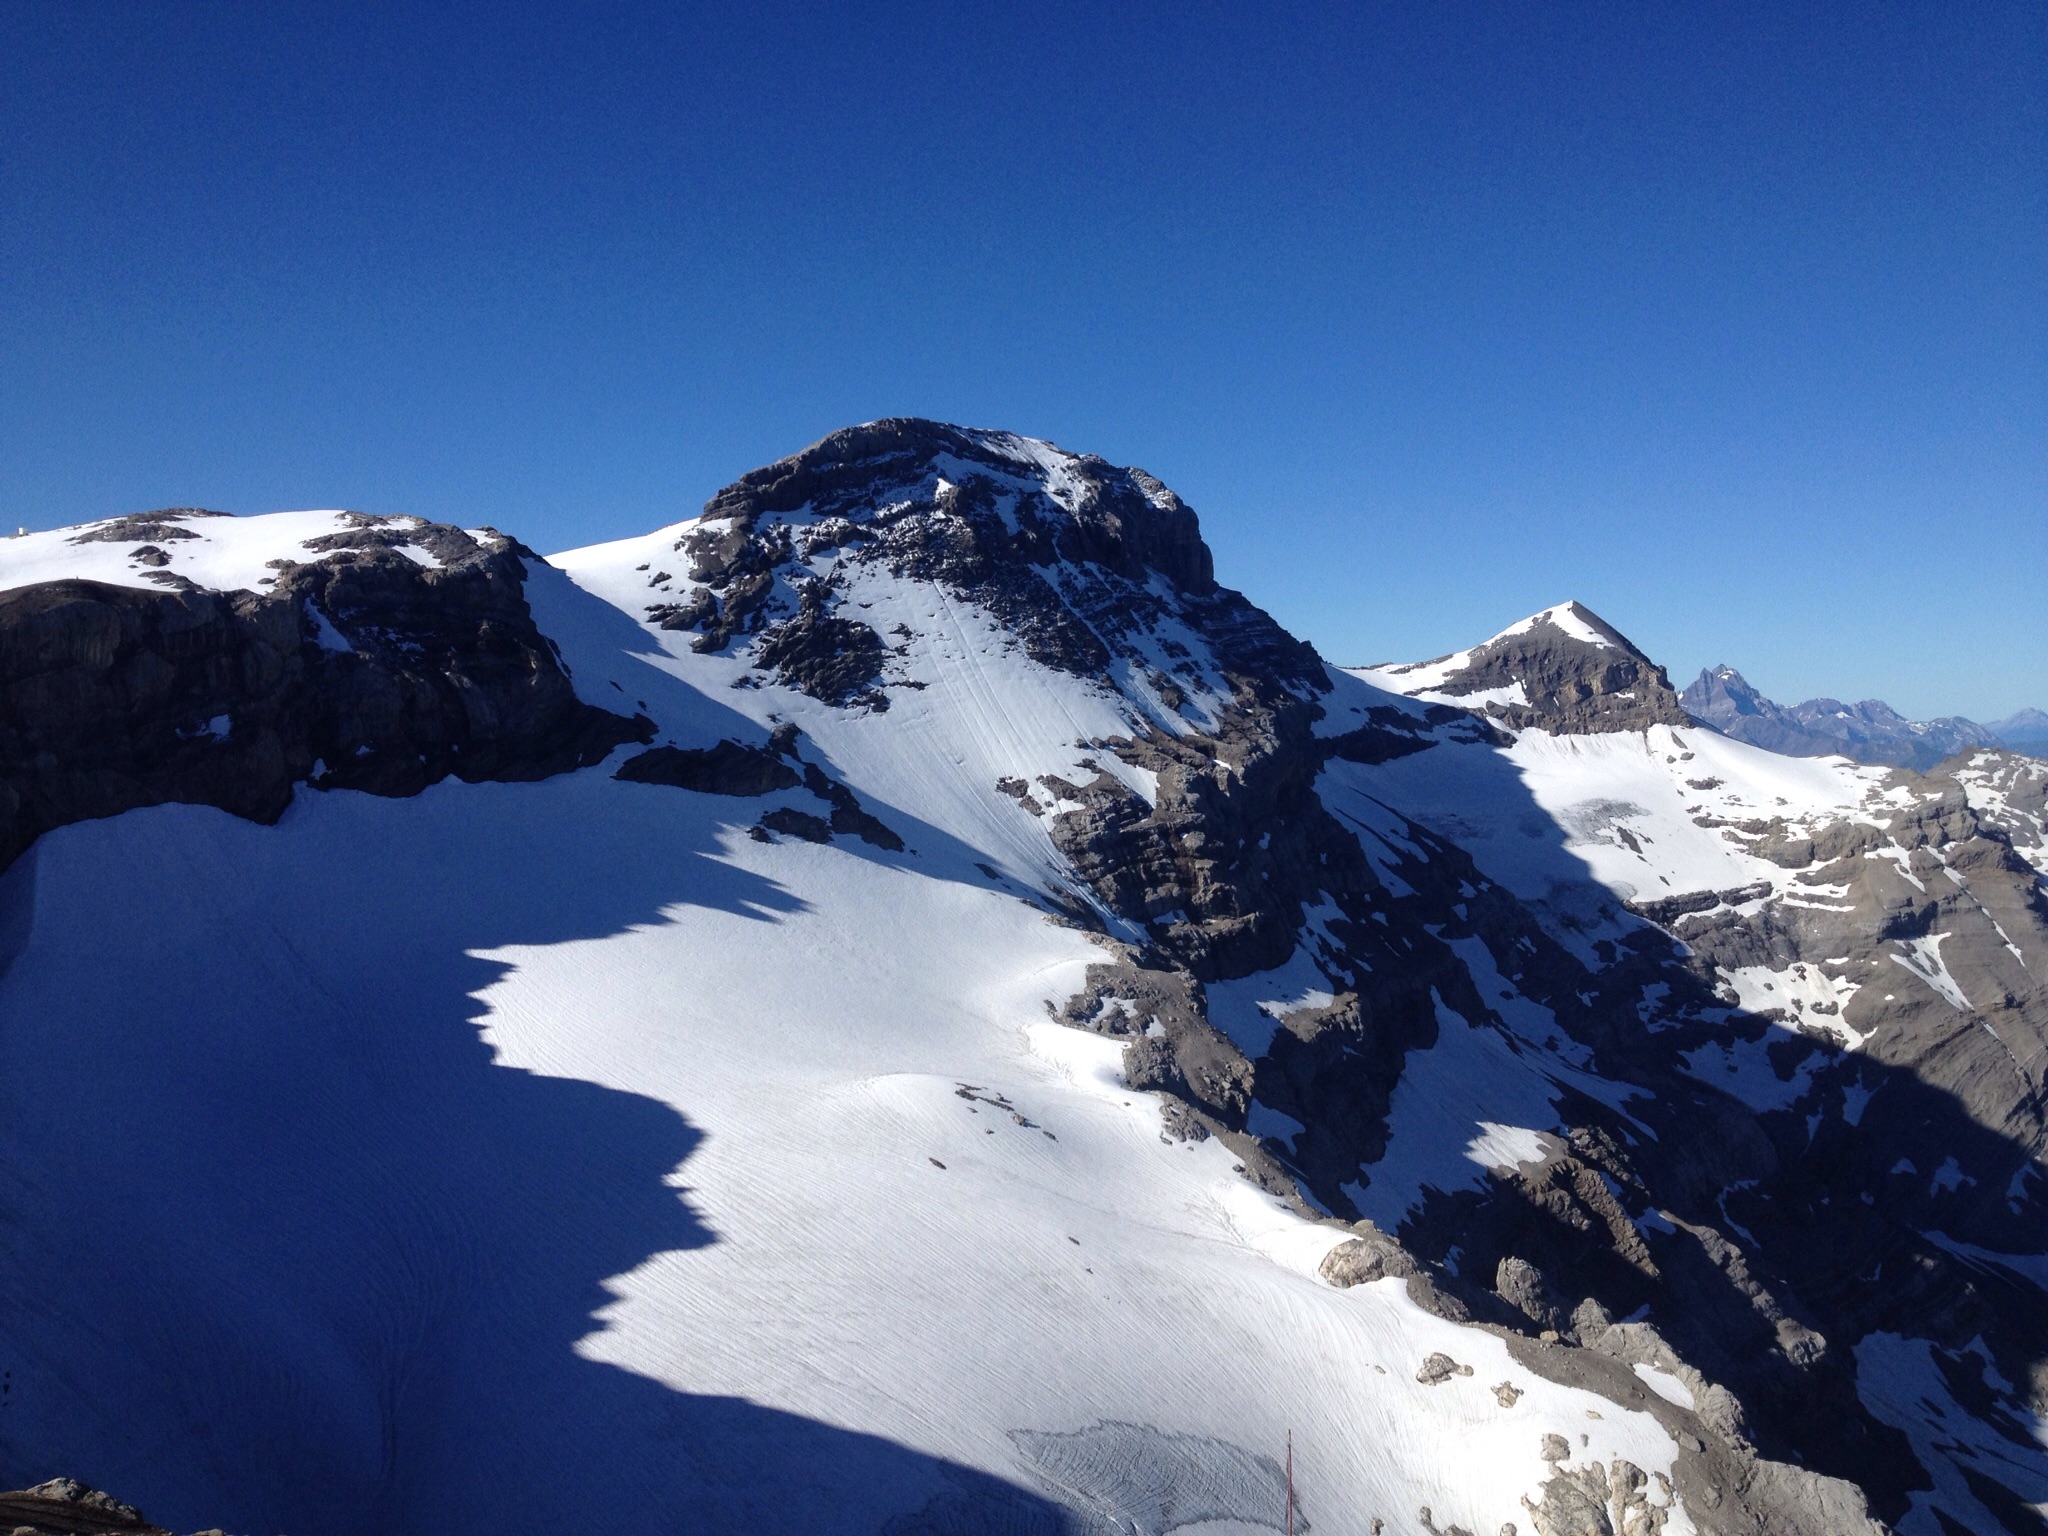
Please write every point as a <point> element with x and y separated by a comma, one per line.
<point>552,1156</point>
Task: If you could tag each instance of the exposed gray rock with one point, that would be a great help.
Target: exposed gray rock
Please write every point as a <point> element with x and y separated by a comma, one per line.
<point>160,526</point>
<point>1173,1047</point>
<point>1572,685</point>
<point>791,822</point>
<point>733,768</point>
<point>848,815</point>
<point>1753,1248</point>
<point>1219,869</point>
<point>63,1506</point>
<point>1440,1368</point>
<point>1371,1255</point>
<point>826,655</point>
<point>1617,1499</point>
<point>1522,1286</point>
<point>1072,583</point>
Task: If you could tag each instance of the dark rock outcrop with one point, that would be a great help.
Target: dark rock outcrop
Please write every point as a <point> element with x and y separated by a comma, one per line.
<point>63,1506</point>
<point>1749,1248</point>
<point>725,769</point>
<point>791,822</point>
<point>826,655</point>
<point>363,670</point>
<point>1229,863</point>
<point>1220,871</point>
<point>166,525</point>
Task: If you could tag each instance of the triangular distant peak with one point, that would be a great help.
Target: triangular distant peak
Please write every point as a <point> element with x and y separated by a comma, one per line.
<point>1576,620</point>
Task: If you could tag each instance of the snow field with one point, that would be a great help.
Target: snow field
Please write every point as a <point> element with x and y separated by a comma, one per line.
<point>229,553</point>
<point>555,1156</point>
<point>808,1016</point>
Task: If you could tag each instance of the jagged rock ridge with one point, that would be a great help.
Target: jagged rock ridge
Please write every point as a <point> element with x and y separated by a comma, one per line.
<point>63,1506</point>
<point>1072,555</point>
<point>1870,732</point>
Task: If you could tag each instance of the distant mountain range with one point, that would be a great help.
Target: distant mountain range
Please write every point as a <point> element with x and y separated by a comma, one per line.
<point>1870,731</point>
<point>2026,731</point>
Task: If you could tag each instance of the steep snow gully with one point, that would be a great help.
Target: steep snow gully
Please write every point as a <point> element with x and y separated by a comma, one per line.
<point>900,1005</point>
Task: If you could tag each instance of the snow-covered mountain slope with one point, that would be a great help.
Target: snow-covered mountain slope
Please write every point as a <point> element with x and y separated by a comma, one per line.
<point>1869,732</point>
<point>185,547</point>
<point>1005,1038</point>
<point>1869,947</point>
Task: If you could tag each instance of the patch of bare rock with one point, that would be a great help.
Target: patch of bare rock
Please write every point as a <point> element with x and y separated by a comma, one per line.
<point>63,1506</point>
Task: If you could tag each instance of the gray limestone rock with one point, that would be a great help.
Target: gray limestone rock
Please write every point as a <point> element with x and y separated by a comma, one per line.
<point>1439,1368</point>
<point>1571,685</point>
<point>1371,1255</point>
<point>63,1506</point>
<point>1522,1286</point>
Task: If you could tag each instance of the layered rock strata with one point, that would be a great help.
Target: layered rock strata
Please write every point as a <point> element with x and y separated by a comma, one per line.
<point>361,668</point>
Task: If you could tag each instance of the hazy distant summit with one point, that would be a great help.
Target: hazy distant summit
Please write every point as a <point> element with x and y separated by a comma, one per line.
<point>2026,731</point>
<point>1869,731</point>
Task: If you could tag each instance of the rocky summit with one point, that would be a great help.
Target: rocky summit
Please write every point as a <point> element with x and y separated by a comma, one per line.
<point>900,1004</point>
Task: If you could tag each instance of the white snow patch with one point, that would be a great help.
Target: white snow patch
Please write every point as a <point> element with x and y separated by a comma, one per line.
<point>1665,1385</point>
<point>226,554</point>
<point>1505,1146</point>
<point>1922,956</point>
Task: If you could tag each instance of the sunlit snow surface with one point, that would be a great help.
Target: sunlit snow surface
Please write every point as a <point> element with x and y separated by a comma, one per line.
<point>225,554</point>
<point>553,1156</point>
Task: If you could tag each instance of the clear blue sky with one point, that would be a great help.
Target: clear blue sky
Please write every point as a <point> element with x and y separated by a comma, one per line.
<point>1731,321</point>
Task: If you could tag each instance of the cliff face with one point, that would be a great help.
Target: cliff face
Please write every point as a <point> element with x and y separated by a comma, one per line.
<point>362,668</point>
